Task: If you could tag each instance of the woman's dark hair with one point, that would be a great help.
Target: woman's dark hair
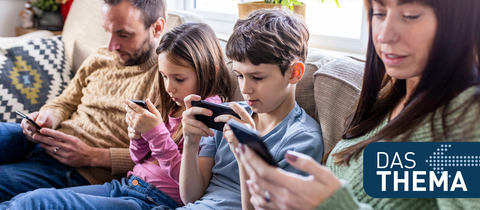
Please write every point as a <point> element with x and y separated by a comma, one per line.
<point>195,45</point>
<point>451,68</point>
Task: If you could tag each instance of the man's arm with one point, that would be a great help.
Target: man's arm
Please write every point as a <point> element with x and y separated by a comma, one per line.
<point>62,107</point>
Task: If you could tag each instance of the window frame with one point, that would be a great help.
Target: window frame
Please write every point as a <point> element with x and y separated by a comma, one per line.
<point>222,23</point>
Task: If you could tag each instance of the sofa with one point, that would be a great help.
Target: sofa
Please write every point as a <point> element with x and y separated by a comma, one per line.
<point>328,91</point>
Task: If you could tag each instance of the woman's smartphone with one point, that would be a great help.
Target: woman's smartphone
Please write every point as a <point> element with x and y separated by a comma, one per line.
<point>29,120</point>
<point>217,110</point>
<point>141,103</point>
<point>251,138</point>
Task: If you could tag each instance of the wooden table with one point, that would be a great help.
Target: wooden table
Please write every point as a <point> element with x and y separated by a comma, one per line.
<point>21,31</point>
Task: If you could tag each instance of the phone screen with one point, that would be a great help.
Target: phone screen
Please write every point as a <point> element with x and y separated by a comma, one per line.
<point>217,110</point>
<point>29,120</point>
<point>251,138</point>
<point>141,103</point>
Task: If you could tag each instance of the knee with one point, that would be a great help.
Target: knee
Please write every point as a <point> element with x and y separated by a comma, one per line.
<point>34,199</point>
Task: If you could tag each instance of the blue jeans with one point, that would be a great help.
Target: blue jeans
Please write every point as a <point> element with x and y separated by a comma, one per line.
<point>25,166</point>
<point>127,194</point>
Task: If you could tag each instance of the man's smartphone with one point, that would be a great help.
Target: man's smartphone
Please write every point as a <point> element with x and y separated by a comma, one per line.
<point>217,110</point>
<point>141,103</point>
<point>29,120</point>
<point>251,138</point>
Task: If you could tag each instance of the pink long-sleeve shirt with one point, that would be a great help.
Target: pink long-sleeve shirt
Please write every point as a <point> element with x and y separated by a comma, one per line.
<point>157,144</point>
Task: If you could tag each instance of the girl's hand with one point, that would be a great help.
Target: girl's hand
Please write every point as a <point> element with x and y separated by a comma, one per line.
<point>132,134</point>
<point>228,134</point>
<point>193,129</point>
<point>287,190</point>
<point>140,119</point>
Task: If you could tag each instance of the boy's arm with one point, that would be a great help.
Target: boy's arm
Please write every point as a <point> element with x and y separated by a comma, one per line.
<point>195,173</point>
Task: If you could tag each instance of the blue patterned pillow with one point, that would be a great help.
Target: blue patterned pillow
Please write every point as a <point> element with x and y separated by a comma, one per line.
<point>31,73</point>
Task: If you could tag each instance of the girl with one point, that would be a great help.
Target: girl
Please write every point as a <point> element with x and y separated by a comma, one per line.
<point>191,62</point>
<point>421,84</point>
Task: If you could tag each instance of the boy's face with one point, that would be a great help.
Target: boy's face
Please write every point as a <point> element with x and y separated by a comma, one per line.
<point>263,86</point>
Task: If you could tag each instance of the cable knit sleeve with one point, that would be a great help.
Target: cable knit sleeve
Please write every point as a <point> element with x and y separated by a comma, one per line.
<point>343,198</point>
<point>62,107</point>
<point>164,150</point>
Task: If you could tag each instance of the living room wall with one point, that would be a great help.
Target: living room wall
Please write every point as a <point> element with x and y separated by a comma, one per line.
<point>9,19</point>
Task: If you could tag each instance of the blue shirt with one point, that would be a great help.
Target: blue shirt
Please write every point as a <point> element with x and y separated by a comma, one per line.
<point>297,132</point>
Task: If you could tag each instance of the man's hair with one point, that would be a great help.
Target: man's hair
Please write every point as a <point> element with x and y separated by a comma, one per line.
<point>151,9</point>
<point>270,36</point>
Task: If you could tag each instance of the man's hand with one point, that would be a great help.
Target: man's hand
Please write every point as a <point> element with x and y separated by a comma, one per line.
<point>43,119</point>
<point>71,151</point>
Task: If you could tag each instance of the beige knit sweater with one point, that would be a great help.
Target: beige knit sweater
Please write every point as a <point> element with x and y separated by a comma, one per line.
<point>92,109</point>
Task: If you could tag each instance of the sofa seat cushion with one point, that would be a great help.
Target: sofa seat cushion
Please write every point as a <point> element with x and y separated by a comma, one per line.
<point>337,89</point>
<point>31,73</point>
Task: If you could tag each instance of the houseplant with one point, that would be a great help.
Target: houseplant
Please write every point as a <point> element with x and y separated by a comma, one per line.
<point>244,9</point>
<point>47,15</point>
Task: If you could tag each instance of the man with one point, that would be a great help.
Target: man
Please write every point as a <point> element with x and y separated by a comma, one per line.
<point>84,138</point>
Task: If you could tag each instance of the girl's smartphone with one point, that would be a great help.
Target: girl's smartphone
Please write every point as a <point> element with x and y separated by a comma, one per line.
<point>29,120</point>
<point>251,138</point>
<point>141,103</point>
<point>217,110</point>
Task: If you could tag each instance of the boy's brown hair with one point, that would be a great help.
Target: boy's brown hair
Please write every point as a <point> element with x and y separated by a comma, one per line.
<point>270,36</point>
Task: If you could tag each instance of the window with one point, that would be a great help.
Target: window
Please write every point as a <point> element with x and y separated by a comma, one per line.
<point>331,27</point>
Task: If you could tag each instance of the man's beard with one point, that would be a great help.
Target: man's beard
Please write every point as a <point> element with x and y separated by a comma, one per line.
<point>139,56</point>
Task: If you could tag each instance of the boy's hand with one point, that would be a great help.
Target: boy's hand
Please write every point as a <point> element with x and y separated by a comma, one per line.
<point>140,119</point>
<point>193,129</point>
<point>246,119</point>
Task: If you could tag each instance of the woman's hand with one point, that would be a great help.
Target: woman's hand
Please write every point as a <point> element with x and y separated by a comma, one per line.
<point>193,129</point>
<point>274,188</point>
<point>245,119</point>
<point>140,119</point>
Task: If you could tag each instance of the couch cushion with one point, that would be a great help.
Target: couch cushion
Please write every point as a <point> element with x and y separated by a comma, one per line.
<point>83,31</point>
<point>304,94</point>
<point>337,88</point>
<point>31,72</point>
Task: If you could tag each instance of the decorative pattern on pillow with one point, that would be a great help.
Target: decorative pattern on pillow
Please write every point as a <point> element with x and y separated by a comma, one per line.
<point>31,73</point>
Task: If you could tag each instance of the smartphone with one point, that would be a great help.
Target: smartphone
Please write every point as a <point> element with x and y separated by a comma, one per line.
<point>141,103</point>
<point>217,110</point>
<point>251,138</point>
<point>29,120</point>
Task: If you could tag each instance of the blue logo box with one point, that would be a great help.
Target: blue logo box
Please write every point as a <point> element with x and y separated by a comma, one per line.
<point>422,170</point>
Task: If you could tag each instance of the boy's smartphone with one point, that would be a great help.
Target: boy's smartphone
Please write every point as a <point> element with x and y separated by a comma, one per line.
<point>217,110</point>
<point>29,120</point>
<point>251,138</point>
<point>141,103</point>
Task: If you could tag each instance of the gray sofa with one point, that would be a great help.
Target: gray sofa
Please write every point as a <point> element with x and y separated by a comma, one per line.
<point>328,91</point>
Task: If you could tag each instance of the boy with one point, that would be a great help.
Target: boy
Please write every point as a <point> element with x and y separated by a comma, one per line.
<point>268,50</point>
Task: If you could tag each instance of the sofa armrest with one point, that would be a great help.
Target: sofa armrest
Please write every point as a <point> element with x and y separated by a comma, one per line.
<point>337,88</point>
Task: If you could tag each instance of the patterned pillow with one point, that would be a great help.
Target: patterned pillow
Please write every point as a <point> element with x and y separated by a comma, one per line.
<point>31,73</point>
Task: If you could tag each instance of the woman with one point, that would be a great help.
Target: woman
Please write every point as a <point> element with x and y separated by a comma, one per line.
<point>422,69</point>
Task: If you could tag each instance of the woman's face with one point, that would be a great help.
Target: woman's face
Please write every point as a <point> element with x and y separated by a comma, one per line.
<point>403,35</point>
